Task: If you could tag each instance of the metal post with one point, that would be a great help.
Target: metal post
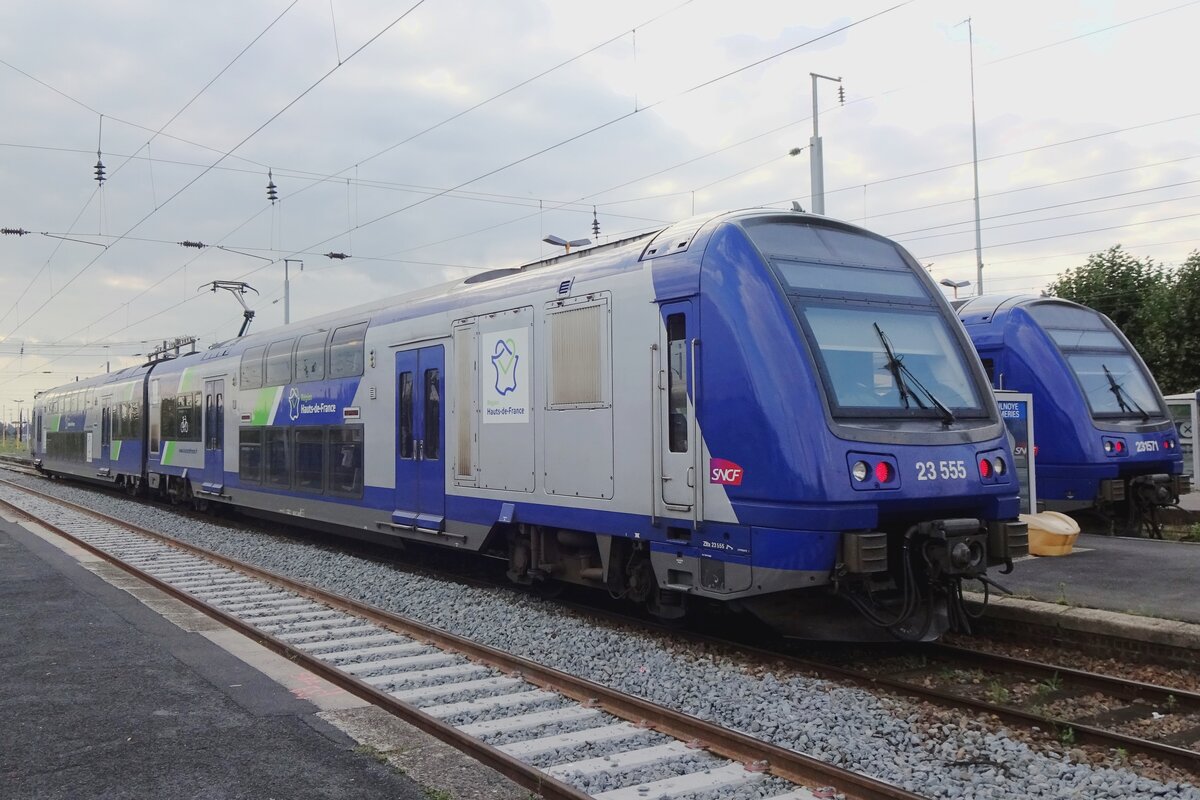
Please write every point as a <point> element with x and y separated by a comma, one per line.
<point>975,162</point>
<point>815,156</point>
<point>287,291</point>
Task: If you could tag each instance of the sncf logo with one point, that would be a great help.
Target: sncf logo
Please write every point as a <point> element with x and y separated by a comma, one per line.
<point>724,472</point>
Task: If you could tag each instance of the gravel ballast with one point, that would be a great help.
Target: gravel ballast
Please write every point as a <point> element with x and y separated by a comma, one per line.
<point>847,726</point>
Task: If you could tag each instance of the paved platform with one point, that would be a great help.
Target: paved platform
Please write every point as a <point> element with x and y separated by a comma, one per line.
<point>1132,588</point>
<point>105,697</point>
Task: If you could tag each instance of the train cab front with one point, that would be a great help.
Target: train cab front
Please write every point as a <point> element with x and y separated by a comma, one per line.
<point>1127,461</point>
<point>885,438</point>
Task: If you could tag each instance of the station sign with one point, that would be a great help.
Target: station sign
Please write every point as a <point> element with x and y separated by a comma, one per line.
<point>1016,410</point>
<point>1184,414</point>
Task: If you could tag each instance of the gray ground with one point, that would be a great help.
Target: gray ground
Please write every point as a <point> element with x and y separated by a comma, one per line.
<point>1131,576</point>
<point>103,698</point>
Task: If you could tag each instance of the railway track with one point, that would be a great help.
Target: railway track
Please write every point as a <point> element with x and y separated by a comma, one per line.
<point>1076,706</point>
<point>987,683</point>
<point>555,734</point>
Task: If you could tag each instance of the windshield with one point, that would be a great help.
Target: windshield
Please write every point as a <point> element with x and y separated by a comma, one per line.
<point>925,368</point>
<point>1111,378</point>
<point>1113,384</point>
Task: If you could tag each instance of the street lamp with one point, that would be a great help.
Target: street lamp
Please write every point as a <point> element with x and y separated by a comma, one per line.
<point>818,174</point>
<point>955,285</point>
<point>561,242</point>
<point>795,151</point>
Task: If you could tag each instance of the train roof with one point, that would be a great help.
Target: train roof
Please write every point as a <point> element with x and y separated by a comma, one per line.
<point>985,308</point>
<point>105,379</point>
<point>613,256</point>
<point>498,283</point>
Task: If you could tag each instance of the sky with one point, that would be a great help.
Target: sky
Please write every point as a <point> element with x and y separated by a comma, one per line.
<point>428,141</point>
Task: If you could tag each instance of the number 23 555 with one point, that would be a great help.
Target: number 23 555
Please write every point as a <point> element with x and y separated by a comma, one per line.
<point>941,470</point>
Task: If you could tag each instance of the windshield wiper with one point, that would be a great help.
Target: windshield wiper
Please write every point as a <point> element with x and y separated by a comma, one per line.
<point>1119,392</point>
<point>900,371</point>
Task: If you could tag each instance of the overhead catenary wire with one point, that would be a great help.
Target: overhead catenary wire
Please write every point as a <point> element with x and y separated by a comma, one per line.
<point>348,226</point>
<point>243,141</point>
<point>154,134</point>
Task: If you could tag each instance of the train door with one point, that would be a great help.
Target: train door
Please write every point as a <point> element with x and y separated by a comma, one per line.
<point>420,428</point>
<point>677,426</point>
<point>214,435</point>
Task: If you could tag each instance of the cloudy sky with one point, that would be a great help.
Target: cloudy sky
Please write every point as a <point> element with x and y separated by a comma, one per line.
<point>427,141</point>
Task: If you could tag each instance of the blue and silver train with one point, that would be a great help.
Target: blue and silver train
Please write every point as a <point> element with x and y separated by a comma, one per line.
<point>1105,438</point>
<point>768,410</point>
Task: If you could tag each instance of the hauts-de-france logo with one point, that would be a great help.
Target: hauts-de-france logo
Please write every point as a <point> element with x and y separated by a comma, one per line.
<point>504,361</point>
<point>506,394</point>
<point>294,404</point>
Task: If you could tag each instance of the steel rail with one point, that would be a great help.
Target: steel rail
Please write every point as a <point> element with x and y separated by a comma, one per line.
<point>732,745</point>
<point>1083,734</point>
<point>517,771</point>
<point>1109,684</point>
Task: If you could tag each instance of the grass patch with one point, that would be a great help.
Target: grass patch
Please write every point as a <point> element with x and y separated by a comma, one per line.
<point>10,447</point>
<point>998,694</point>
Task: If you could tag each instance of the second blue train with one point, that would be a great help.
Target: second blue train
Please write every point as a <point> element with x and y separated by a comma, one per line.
<point>1105,438</point>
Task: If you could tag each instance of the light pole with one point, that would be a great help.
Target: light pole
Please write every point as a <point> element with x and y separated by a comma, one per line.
<point>955,285</point>
<point>287,291</point>
<point>20,422</point>
<point>818,174</point>
<point>975,160</point>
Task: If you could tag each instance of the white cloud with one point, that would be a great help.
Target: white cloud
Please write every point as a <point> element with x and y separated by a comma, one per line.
<point>905,75</point>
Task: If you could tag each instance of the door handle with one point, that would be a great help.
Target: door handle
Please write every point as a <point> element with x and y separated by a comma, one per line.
<point>420,449</point>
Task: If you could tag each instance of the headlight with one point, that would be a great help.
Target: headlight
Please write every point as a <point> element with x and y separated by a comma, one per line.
<point>860,471</point>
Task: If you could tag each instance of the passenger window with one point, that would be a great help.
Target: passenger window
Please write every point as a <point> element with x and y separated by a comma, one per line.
<point>406,415</point>
<point>279,363</point>
<point>250,461</point>
<point>252,370</point>
<point>309,364</point>
<point>276,457</point>
<point>210,423</point>
<point>433,426</point>
<point>677,379</point>
<point>346,351</point>
<point>220,412</point>
<point>345,460</point>
<point>310,459</point>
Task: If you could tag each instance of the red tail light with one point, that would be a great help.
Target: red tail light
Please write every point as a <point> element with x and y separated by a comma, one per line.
<point>883,472</point>
<point>985,468</point>
<point>1120,446</point>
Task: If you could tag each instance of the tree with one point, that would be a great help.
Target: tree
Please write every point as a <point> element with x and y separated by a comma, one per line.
<point>1176,337</point>
<point>1159,311</point>
<point>1118,285</point>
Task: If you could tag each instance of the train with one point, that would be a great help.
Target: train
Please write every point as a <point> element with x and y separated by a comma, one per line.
<point>762,411</point>
<point>1106,442</point>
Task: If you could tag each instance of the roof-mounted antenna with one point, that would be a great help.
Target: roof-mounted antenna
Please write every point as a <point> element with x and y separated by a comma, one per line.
<point>237,289</point>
